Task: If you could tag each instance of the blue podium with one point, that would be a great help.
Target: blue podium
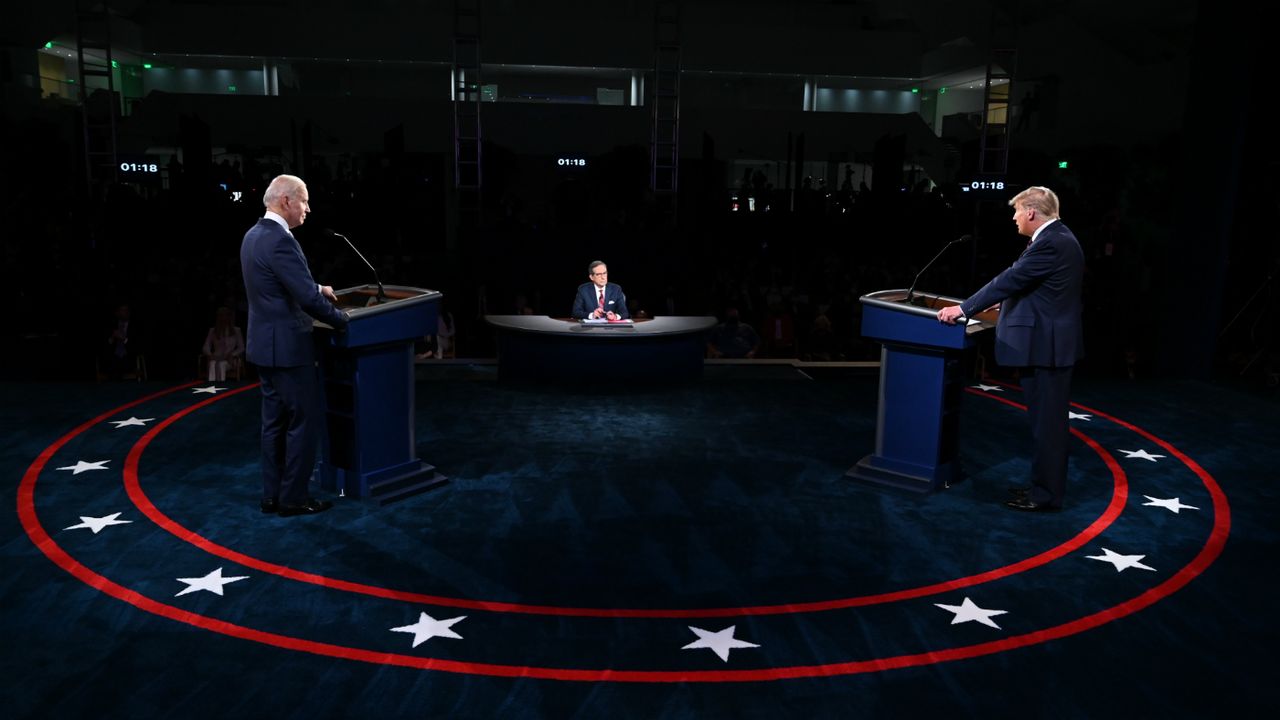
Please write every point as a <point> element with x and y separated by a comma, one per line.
<point>917,423</point>
<point>369,394</point>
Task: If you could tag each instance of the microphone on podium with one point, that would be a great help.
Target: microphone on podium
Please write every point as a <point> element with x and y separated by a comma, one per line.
<point>382,295</point>
<point>911,291</point>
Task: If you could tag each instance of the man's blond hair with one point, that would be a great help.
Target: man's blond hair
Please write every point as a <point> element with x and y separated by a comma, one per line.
<point>1038,198</point>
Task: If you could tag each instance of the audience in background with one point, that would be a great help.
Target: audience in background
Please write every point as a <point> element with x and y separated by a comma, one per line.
<point>223,345</point>
<point>733,338</point>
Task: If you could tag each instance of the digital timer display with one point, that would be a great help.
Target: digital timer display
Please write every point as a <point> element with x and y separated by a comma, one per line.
<point>139,167</point>
<point>571,162</point>
<point>986,185</point>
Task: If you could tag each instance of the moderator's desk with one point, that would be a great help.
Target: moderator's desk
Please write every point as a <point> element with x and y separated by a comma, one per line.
<point>542,348</point>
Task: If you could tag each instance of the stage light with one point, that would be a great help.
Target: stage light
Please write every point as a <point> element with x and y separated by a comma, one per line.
<point>48,45</point>
<point>915,91</point>
<point>1062,164</point>
<point>146,66</point>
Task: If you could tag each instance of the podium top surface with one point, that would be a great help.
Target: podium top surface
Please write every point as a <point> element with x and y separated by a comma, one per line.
<point>362,301</point>
<point>926,304</point>
<point>670,325</point>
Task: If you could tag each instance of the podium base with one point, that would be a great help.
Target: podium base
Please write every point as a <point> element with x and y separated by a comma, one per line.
<point>384,486</point>
<point>869,471</point>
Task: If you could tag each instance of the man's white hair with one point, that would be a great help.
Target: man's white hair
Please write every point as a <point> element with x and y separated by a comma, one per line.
<point>283,185</point>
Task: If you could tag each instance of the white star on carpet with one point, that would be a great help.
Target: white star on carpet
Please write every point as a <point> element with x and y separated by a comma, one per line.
<point>96,524</point>
<point>1079,416</point>
<point>989,388</point>
<point>1171,504</point>
<point>428,627</point>
<point>718,642</point>
<point>82,466</point>
<point>1141,454</point>
<point>967,611</point>
<point>212,582</point>
<point>131,421</point>
<point>1122,562</point>
<point>211,390</point>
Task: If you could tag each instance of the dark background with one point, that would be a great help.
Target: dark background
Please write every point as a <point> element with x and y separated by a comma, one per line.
<point>1156,107</point>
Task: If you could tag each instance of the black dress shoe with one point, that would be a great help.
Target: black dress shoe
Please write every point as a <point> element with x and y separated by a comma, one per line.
<point>310,507</point>
<point>1026,504</point>
<point>270,505</point>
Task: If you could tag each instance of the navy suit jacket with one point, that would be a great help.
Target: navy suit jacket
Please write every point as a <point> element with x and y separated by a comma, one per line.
<point>1039,323</point>
<point>283,298</point>
<point>587,300</point>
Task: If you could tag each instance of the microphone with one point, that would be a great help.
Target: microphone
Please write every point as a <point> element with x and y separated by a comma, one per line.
<point>382,295</point>
<point>911,291</point>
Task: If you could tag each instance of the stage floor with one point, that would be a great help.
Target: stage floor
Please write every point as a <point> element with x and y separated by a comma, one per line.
<point>681,551</point>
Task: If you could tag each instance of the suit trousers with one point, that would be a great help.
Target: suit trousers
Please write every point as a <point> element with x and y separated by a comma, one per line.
<point>1047,391</point>
<point>292,419</point>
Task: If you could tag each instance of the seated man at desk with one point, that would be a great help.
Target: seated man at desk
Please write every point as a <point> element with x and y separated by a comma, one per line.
<point>600,299</point>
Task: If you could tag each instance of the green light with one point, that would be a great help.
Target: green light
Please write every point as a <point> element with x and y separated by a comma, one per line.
<point>915,90</point>
<point>232,88</point>
<point>71,80</point>
<point>48,45</point>
<point>1062,164</point>
<point>942,91</point>
<point>146,66</point>
<point>115,64</point>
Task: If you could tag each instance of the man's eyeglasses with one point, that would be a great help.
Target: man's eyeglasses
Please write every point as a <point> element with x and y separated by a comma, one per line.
<point>604,272</point>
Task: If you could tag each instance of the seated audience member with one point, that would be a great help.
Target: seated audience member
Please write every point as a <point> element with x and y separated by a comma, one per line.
<point>733,338</point>
<point>821,344</point>
<point>223,346</point>
<point>119,357</point>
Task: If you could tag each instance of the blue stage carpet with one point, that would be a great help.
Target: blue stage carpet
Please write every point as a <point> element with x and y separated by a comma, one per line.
<point>692,551</point>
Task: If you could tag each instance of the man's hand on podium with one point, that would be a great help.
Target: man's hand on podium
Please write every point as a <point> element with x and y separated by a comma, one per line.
<point>950,314</point>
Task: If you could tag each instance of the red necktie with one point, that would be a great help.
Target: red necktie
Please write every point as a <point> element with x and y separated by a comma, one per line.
<point>602,299</point>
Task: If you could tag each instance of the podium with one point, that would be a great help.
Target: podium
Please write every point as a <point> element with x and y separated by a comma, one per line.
<point>917,422</point>
<point>369,394</point>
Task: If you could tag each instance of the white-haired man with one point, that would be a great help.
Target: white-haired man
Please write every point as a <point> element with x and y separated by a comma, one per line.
<point>283,298</point>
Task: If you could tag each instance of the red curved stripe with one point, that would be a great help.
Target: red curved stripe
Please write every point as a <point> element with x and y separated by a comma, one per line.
<point>132,484</point>
<point>1211,550</point>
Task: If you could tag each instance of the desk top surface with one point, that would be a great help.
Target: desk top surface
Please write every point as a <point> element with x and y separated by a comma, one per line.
<point>674,325</point>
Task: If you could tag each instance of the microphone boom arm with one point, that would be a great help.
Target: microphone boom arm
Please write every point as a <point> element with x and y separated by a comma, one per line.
<point>911,290</point>
<point>382,295</point>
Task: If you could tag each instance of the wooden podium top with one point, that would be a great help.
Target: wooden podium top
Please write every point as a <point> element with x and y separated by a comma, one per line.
<point>924,303</point>
<point>362,301</point>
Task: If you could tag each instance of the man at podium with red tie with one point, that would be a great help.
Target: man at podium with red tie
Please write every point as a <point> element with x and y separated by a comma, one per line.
<point>600,299</point>
<point>1038,331</point>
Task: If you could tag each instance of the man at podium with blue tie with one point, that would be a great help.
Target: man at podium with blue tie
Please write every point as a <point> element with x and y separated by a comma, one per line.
<point>600,299</point>
<point>283,298</point>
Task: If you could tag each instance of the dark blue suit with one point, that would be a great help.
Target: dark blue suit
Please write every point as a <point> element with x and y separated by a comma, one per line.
<point>1039,330</point>
<point>587,300</point>
<point>283,298</point>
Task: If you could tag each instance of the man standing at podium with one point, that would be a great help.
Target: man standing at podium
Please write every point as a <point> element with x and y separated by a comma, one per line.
<point>600,299</point>
<point>1038,331</point>
<point>283,298</point>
